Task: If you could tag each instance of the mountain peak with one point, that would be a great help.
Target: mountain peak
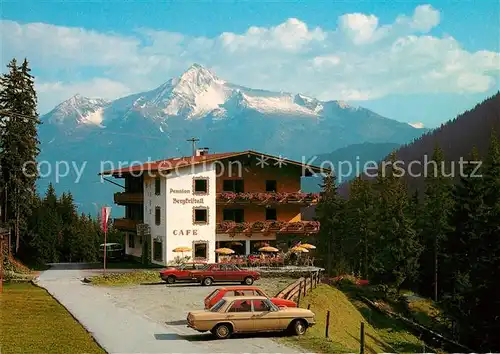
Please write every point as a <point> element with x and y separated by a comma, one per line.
<point>198,75</point>
<point>78,110</point>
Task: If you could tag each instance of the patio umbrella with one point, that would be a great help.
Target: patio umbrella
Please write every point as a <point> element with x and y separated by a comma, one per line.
<point>182,250</point>
<point>307,246</point>
<point>299,249</point>
<point>268,249</point>
<point>224,251</point>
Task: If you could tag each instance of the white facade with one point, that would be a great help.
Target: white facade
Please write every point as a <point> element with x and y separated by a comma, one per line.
<point>177,202</point>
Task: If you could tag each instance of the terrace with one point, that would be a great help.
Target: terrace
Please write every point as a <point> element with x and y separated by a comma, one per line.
<point>302,227</point>
<point>267,198</point>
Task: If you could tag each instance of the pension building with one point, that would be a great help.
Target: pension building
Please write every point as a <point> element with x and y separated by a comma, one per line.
<point>239,200</point>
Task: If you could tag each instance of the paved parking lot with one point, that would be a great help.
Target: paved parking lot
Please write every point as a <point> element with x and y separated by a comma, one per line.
<point>147,318</point>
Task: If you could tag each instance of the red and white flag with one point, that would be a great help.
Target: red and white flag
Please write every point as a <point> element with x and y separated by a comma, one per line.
<point>106,212</point>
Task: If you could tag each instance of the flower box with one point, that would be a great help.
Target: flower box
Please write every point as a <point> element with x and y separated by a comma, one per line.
<point>295,226</point>
<point>311,226</point>
<point>274,226</point>
<point>243,197</point>
<point>225,226</point>
<point>241,227</point>
<point>227,196</point>
<point>257,226</point>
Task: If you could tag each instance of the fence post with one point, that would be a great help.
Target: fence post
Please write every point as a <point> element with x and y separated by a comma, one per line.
<point>311,277</point>
<point>327,323</point>
<point>300,293</point>
<point>362,338</point>
<point>305,286</point>
<point>309,306</point>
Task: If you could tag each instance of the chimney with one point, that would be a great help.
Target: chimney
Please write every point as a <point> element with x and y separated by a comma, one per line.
<point>202,151</point>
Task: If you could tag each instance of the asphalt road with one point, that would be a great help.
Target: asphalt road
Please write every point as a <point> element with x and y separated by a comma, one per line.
<point>146,318</point>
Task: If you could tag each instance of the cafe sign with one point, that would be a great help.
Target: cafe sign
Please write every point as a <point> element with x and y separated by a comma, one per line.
<point>186,232</point>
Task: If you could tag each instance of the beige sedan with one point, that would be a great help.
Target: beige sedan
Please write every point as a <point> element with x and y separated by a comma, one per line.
<point>240,314</point>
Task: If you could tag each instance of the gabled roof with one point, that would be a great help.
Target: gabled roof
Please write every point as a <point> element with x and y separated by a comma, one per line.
<point>186,161</point>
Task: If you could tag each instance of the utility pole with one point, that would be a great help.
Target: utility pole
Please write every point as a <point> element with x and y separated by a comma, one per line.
<point>193,141</point>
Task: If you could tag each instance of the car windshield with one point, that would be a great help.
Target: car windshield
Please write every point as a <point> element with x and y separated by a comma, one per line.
<point>272,306</point>
<point>218,305</point>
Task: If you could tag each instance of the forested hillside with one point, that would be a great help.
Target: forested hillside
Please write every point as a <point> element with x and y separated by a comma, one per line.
<point>456,138</point>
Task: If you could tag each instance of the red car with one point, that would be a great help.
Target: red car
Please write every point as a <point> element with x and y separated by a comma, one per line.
<point>215,273</point>
<point>218,294</point>
<point>181,273</point>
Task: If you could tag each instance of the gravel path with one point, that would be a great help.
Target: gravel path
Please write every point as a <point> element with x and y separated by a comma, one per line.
<point>145,318</point>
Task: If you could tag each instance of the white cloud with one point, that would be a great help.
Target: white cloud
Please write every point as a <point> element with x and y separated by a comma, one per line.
<point>361,59</point>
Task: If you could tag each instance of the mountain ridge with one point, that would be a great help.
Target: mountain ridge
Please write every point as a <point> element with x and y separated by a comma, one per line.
<point>155,124</point>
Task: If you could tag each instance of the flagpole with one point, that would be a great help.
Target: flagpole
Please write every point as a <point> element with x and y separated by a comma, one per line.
<point>105,247</point>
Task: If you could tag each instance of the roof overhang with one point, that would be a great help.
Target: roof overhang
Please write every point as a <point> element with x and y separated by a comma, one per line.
<point>263,160</point>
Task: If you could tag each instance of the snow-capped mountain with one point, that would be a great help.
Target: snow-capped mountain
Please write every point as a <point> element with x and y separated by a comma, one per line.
<point>78,110</point>
<point>224,116</point>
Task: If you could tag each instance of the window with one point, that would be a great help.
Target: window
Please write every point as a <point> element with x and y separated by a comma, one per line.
<point>131,241</point>
<point>233,185</point>
<point>243,293</point>
<point>218,306</point>
<point>157,215</point>
<point>236,215</point>
<point>271,214</point>
<point>200,251</point>
<point>200,215</point>
<point>158,186</point>
<point>157,251</point>
<point>200,186</point>
<point>240,306</point>
<point>260,306</point>
<point>271,186</point>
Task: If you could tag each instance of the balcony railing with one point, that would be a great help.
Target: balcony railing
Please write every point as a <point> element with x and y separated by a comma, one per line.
<point>128,198</point>
<point>304,227</point>
<point>125,224</point>
<point>267,198</point>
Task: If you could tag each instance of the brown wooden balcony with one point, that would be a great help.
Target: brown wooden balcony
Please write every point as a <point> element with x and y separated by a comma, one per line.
<point>280,227</point>
<point>125,224</point>
<point>267,198</point>
<point>128,198</point>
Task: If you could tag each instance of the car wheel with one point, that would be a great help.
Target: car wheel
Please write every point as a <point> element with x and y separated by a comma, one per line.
<point>170,279</point>
<point>207,281</point>
<point>248,281</point>
<point>299,327</point>
<point>222,331</point>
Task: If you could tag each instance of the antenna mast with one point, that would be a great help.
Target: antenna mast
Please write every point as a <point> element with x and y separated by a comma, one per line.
<point>193,141</point>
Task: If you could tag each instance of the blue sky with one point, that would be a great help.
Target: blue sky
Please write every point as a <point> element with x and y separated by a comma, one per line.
<point>411,61</point>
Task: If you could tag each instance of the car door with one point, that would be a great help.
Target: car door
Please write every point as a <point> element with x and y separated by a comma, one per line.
<point>183,271</point>
<point>263,318</point>
<point>232,273</point>
<point>218,272</point>
<point>239,313</point>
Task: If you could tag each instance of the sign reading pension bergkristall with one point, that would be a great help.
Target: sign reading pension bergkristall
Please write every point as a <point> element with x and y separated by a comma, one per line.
<point>184,200</point>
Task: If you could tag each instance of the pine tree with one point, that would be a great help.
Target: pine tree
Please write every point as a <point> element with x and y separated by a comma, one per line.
<point>360,226</point>
<point>397,248</point>
<point>461,252</point>
<point>19,143</point>
<point>484,319</point>
<point>434,223</point>
<point>69,217</point>
<point>48,235</point>
<point>329,212</point>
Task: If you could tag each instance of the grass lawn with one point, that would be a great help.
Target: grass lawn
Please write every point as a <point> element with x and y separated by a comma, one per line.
<point>33,322</point>
<point>381,334</point>
<point>127,278</point>
<point>270,285</point>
